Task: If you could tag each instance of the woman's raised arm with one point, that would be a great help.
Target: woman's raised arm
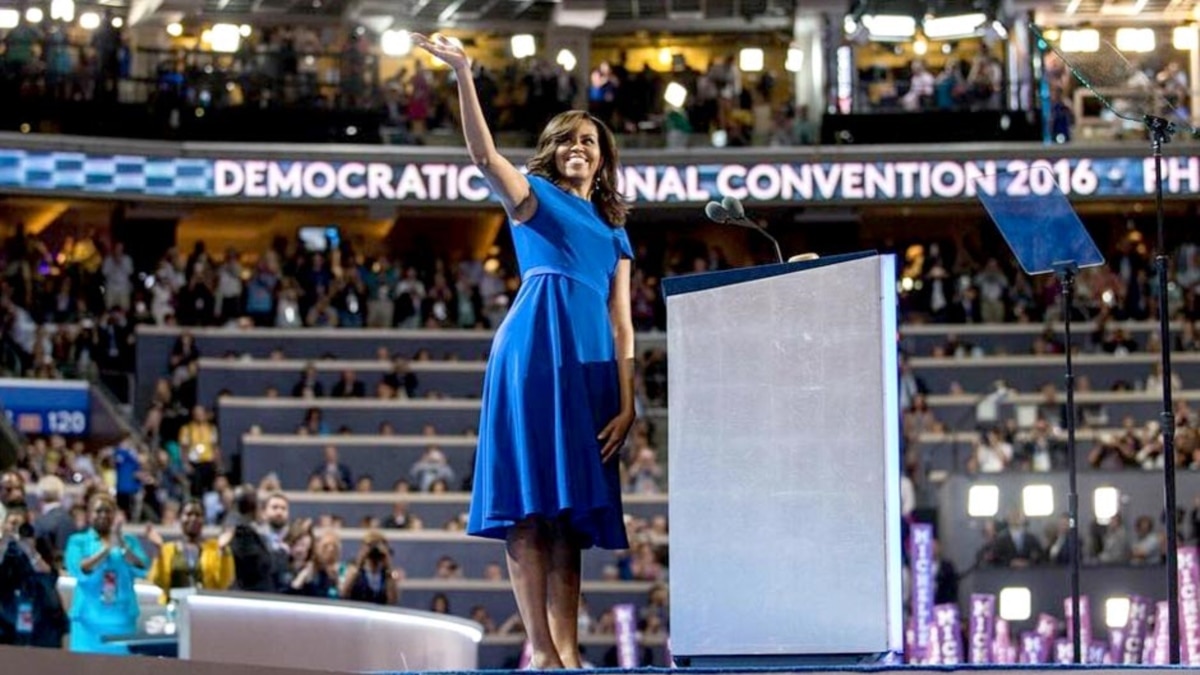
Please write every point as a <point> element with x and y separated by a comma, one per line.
<point>509,184</point>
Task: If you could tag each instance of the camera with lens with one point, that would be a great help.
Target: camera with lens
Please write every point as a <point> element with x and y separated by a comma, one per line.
<point>377,553</point>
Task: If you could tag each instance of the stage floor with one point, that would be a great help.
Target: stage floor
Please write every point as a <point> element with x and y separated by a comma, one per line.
<point>22,661</point>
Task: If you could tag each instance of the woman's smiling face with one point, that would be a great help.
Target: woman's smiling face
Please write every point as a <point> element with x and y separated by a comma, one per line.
<point>577,155</point>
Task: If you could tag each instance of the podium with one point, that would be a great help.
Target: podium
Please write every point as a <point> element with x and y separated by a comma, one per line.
<point>784,464</point>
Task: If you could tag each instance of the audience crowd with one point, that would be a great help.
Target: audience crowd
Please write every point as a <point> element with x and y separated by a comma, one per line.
<point>73,311</point>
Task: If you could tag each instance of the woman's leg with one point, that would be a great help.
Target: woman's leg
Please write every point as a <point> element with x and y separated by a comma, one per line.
<point>565,563</point>
<point>528,549</point>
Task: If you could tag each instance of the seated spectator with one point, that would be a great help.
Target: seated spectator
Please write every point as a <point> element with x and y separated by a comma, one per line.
<point>348,386</point>
<point>309,385</point>
<point>334,476</point>
<point>431,468</point>
<point>447,568</point>
<point>402,379</point>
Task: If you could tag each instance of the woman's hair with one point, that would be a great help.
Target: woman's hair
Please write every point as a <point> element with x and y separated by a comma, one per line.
<point>197,504</point>
<point>608,200</point>
<point>101,497</point>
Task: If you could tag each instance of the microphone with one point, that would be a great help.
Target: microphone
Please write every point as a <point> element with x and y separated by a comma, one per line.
<point>716,213</point>
<point>734,206</point>
<point>729,210</point>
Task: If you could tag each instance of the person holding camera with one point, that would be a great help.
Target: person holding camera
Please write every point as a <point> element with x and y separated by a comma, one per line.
<point>105,563</point>
<point>31,612</point>
<point>372,578</point>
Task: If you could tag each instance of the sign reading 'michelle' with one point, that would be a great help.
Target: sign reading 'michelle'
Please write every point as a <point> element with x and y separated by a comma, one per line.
<point>767,182</point>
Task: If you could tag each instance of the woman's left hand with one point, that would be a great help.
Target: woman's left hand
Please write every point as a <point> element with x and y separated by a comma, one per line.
<point>613,434</point>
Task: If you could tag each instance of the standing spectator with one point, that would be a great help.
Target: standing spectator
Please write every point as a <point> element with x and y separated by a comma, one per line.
<point>372,578</point>
<point>104,563</point>
<point>198,442</point>
<point>54,525</point>
<point>192,562</point>
<point>117,269</point>
<point>321,576</point>
<point>129,483</point>
<point>229,288</point>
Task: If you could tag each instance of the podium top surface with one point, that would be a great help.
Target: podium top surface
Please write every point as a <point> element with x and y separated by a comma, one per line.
<point>702,281</point>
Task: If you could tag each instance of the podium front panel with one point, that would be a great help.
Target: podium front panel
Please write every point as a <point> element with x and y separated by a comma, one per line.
<point>784,464</point>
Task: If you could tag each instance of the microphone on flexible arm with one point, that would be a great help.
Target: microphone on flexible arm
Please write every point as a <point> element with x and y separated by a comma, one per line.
<point>729,210</point>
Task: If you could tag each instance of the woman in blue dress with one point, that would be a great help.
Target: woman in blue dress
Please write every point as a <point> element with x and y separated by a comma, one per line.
<point>104,563</point>
<point>558,391</point>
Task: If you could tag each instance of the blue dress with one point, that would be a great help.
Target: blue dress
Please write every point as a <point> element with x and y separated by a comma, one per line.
<point>104,602</point>
<point>552,382</point>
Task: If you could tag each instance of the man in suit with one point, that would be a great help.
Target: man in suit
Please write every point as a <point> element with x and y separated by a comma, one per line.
<point>349,386</point>
<point>1016,546</point>
<point>260,555</point>
<point>55,524</point>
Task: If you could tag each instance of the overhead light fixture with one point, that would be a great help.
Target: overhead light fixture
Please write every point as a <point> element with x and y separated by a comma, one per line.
<point>1116,612</point>
<point>664,56</point>
<point>1183,38</point>
<point>224,38</point>
<point>890,26</point>
<point>675,94</point>
<point>34,15</point>
<point>117,22</point>
<point>795,60</point>
<point>958,26</point>
<point>1123,8</point>
<point>983,501</point>
<point>395,42</point>
<point>1001,31</point>
<point>89,21</point>
<point>750,60</point>
<point>9,18</point>
<point>523,46</point>
<point>1016,603</point>
<point>245,30</point>
<point>566,59</point>
<point>1037,501</point>
<point>1084,40</point>
<point>920,47</point>
<point>174,29</point>
<point>62,10</point>
<point>1106,501</point>
<point>849,25</point>
<point>1137,40</point>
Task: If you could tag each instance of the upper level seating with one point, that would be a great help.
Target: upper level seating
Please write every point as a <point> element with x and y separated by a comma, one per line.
<point>361,415</point>
<point>1027,373</point>
<point>253,377</point>
<point>386,459</point>
<point>434,510</point>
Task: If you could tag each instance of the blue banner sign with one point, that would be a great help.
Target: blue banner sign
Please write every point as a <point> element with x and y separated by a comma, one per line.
<point>816,182</point>
<point>39,407</point>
